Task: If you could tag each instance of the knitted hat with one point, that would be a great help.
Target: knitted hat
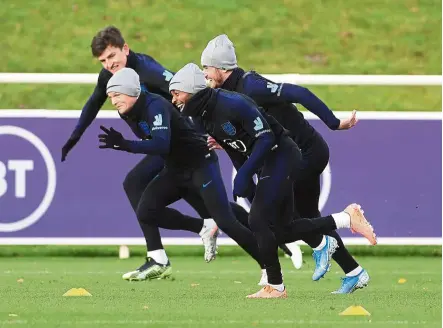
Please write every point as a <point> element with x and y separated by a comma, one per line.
<point>125,81</point>
<point>189,79</point>
<point>219,53</point>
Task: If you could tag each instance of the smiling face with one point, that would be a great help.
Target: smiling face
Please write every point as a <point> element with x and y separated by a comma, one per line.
<point>122,102</point>
<point>180,98</point>
<point>215,77</point>
<point>110,48</point>
<point>113,58</point>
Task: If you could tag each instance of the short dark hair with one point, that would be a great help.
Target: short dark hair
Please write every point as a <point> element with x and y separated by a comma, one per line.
<point>109,36</point>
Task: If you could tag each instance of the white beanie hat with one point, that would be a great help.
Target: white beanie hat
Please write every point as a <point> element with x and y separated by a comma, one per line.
<point>188,79</point>
<point>219,53</point>
<point>125,81</point>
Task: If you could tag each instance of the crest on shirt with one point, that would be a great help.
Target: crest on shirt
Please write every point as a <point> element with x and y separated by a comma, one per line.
<point>144,127</point>
<point>229,128</point>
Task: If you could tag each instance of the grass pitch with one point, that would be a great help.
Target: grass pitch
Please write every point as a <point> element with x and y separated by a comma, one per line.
<point>297,36</point>
<point>213,295</point>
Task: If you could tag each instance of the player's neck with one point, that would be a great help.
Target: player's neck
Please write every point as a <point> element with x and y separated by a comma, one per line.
<point>226,75</point>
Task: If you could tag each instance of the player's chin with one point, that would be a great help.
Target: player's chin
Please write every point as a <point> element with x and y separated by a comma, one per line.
<point>115,69</point>
<point>211,83</point>
<point>122,109</point>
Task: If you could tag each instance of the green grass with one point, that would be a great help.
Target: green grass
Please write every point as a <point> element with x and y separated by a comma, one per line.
<point>192,251</point>
<point>324,37</point>
<point>213,295</point>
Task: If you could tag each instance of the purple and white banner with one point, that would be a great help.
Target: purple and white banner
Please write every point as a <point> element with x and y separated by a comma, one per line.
<point>391,163</point>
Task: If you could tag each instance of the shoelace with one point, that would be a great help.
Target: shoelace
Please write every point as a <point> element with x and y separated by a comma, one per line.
<point>342,283</point>
<point>268,289</point>
<point>316,255</point>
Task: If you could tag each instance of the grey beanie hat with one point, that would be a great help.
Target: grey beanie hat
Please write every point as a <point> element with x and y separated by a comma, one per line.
<point>125,81</point>
<point>188,79</point>
<point>220,53</point>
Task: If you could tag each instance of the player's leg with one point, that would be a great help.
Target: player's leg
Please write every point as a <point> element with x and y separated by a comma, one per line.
<point>309,209</point>
<point>196,201</point>
<point>273,193</point>
<point>243,216</point>
<point>139,177</point>
<point>307,194</point>
<point>134,185</point>
<point>152,212</point>
<point>352,217</point>
<point>194,198</point>
<point>208,181</point>
<point>307,191</point>
<point>272,188</point>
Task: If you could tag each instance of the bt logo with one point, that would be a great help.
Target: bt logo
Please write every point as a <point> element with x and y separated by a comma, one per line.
<point>22,208</point>
<point>19,168</point>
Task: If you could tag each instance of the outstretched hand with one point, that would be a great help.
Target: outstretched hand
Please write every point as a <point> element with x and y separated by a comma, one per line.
<point>111,139</point>
<point>348,123</point>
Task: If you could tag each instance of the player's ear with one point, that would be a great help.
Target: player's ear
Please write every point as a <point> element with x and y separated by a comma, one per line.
<point>126,49</point>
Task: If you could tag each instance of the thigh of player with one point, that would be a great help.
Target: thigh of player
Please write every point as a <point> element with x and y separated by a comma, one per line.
<point>145,170</point>
<point>139,177</point>
<point>161,191</point>
<point>307,185</point>
<point>273,199</point>
<point>315,157</point>
<point>194,198</point>
<point>208,183</point>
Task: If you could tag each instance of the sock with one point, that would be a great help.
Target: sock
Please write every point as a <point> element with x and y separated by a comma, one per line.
<point>321,245</point>
<point>280,287</point>
<point>263,271</point>
<point>342,220</point>
<point>158,256</point>
<point>355,272</point>
<point>206,222</point>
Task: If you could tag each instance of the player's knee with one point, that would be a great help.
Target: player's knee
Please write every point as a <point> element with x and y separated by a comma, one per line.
<point>147,215</point>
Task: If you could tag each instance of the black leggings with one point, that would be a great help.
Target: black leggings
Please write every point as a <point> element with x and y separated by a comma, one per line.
<point>170,186</point>
<point>139,178</point>
<point>307,189</point>
<point>272,210</point>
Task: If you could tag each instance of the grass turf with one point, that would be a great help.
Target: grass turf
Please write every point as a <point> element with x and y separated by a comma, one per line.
<point>203,295</point>
<point>192,251</point>
<point>322,37</point>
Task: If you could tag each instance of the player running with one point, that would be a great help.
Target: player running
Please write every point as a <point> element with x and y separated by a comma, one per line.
<point>220,66</point>
<point>235,121</point>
